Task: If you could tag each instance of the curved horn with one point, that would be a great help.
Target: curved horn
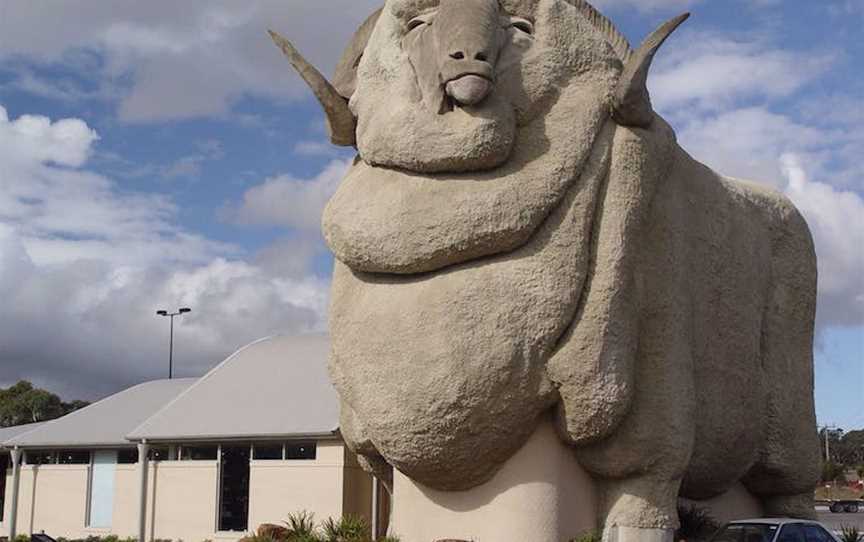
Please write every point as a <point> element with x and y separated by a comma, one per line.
<point>341,124</point>
<point>632,105</point>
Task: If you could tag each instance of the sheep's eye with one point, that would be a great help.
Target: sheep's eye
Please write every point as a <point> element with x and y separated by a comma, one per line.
<point>522,25</point>
<point>417,22</point>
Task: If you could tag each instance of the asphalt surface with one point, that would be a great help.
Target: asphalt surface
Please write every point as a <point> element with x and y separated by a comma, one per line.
<point>835,521</point>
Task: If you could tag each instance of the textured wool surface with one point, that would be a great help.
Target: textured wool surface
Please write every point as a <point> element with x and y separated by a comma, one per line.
<point>536,252</point>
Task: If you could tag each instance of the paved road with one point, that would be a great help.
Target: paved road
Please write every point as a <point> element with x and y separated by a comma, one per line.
<point>834,521</point>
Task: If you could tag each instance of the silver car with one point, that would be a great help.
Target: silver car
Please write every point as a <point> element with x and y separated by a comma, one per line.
<point>774,530</point>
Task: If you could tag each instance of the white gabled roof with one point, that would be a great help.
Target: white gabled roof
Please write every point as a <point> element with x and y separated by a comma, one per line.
<point>273,388</point>
<point>106,422</point>
<point>8,433</point>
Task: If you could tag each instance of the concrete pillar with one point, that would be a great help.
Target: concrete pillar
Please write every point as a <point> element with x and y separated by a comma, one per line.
<point>541,494</point>
<point>144,471</point>
<point>375,506</point>
<point>16,484</point>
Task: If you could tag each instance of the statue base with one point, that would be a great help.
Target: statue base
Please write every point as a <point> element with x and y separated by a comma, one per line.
<point>541,494</point>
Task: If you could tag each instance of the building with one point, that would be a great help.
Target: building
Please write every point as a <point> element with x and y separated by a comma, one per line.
<point>254,439</point>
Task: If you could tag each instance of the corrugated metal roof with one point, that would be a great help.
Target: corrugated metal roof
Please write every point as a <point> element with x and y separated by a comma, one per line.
<point>106,422</point>
<point>7,433</point>
<point>275,387</point>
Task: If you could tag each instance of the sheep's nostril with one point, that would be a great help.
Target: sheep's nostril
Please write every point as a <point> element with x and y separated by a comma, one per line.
<point>458,55</point>
<point>482,57</point>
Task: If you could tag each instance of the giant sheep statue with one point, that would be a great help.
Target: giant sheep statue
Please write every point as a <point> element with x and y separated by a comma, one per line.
<point>520,238</point>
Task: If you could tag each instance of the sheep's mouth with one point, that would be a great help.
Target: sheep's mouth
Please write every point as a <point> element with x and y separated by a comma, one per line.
<point>468,89</point>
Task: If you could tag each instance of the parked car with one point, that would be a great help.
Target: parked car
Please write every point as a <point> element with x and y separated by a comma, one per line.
<point>774,530</point>
<point>849,506</point>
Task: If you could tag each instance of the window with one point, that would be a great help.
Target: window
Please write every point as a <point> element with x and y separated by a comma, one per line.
<point>302,450</point>
<point>127,457</point>
<point>4,467</point>
<point>40,458</point>
<point>746,532</point>
<point>268,452</point>
<point>158,454</point>
<point>74,457</point>
<point>198,453</point>
<point>791,532</point>
<point>234,489</point>
<point>815,533</point>
<point>102,489</point>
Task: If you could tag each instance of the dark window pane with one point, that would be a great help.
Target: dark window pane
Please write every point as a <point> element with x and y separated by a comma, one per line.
<point>814,533</point>
<point>753,532</point>
<point>303,450</point>
<point>4,466</point>
<point>234,496</point>
<point>74,457</point>
<point>198,453</point>
<point>791,533</point>
<point>39,458</point>
<point>268,451</point>
<point>158,454</point>
<point>127,457</point>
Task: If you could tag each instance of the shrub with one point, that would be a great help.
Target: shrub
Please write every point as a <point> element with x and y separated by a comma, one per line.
<point>696,524</point>
<point>347,529</point>
<point>301,524</point>
<point>593,535</point>
<point>850,533</point>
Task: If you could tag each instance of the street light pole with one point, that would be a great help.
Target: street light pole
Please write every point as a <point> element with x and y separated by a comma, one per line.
<point>184,310</point>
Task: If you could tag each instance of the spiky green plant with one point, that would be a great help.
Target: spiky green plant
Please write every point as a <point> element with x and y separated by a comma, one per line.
<point>850,533</point>
<point>301,527</point>
<point>593,535</point>
<point>347,529</point>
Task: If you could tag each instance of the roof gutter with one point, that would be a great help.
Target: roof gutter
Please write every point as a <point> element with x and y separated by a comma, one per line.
<point>330,435</point>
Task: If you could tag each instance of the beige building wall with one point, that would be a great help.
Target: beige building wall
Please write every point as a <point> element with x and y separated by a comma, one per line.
<point>182,496</point>
<point>126,495</point>
<point>357,490</point>
<point>326,487</point>
<point>53,498</point>
<point>183,500</point>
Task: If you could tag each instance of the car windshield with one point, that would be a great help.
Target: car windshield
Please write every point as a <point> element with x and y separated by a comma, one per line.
<point>745,532</point>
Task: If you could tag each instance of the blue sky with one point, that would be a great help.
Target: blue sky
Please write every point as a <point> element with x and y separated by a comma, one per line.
<point>158,154</point>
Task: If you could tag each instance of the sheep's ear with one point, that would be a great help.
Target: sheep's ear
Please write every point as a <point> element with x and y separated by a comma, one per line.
<point>345,79</point>
<point>632,106</point>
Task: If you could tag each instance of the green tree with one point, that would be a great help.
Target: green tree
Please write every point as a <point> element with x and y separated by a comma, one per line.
<point>850,449</point>
<point>24,403</point>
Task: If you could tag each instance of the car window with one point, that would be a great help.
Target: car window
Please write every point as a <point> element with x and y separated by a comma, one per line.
<point>746,532</point>
<point>791,532</point>
<point>815,533</point>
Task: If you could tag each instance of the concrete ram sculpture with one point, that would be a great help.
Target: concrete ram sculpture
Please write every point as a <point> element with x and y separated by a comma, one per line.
<point>521,243</point>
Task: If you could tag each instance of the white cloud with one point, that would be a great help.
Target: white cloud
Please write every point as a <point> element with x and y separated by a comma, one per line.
<point>289,201</point>
<point>315,148</point>
<point>747,142</point>
<point>184,59</point>
<point>713,72</point>
<point>836,219</point>
<point>84,266</point>
<point>645,5</point>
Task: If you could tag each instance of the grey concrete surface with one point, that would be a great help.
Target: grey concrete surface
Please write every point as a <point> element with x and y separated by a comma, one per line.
<point>836,521</point>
